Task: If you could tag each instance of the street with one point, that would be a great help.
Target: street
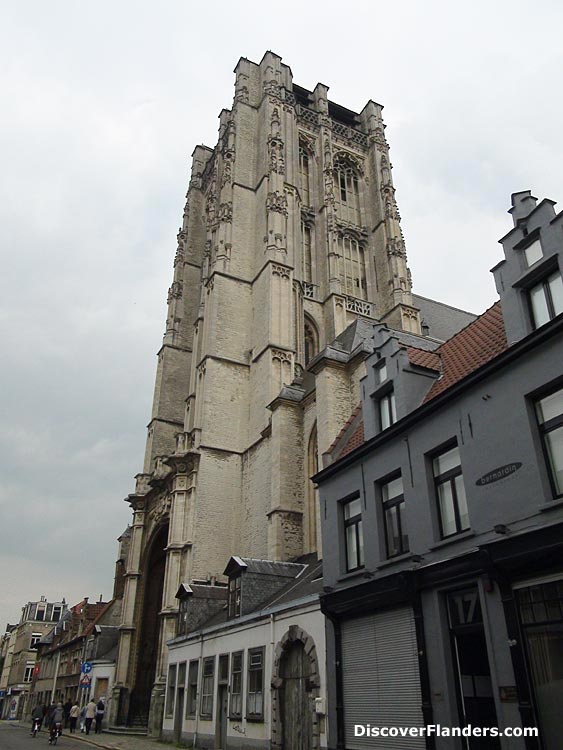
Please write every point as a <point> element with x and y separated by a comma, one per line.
<point>16,737</point>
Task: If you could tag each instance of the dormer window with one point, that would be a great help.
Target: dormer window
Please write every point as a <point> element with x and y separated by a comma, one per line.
<point>381,373</point>
<point>387,411</point>
<point>533,253</point>
<point>546,299</point>
<point>234,595</point>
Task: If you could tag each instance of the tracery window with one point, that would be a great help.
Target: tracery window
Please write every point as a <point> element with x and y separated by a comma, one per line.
<point>307,252</point>
<point>311,342</point>
<point>352,267</point>
<point>347,193</point>
<point>304,176</point>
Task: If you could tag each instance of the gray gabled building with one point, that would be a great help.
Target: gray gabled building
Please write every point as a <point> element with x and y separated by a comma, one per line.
<point>442,520</point>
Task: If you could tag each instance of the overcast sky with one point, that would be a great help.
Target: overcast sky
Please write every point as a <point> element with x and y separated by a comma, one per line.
<point>102,105</point>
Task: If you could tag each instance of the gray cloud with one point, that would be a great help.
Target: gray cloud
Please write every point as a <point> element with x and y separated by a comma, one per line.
<point>103,104</point>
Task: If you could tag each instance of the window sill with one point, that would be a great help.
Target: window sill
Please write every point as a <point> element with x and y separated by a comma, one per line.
<point>361,572</point>
<point>551,505</point>
<point>452,539</point>
<point>255,719</point>
<point>397,558</point>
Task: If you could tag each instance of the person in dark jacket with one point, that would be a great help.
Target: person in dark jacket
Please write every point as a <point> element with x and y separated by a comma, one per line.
<point>57,718</point>
<point>100,709</point>
<point>67,706</point>
<point>37,715</point>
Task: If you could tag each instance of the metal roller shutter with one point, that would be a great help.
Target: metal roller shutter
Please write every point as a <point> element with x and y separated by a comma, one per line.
<point>381,679</point>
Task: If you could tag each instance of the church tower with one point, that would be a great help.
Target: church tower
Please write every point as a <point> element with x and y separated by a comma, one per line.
<point>290,242</point>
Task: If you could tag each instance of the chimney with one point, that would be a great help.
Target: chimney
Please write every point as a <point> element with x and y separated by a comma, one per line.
<point>523,203</point>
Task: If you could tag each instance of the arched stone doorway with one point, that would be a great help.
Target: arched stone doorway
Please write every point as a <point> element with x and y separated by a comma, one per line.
<point>148,643</point>
<point>295,683</point>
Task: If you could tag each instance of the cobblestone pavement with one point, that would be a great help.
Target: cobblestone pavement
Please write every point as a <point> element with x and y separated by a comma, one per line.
<point>105,740</point>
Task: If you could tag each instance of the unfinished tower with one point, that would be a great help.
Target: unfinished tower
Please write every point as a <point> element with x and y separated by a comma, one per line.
<point>290,245</point>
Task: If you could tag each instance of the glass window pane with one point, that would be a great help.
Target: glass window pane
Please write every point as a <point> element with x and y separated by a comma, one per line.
<point>533,253</point>
<point>539,305</point>
<point>351,548</point>
<point>392,530</point>
<point>352,508</point>
<point>446,504</point>
<point>382,373</point>
<point>446,461</point>
<point>551,406</point>
<point>361,544</point>
<point>556,288</point>
<point>461,503</point>
<point>392,489</point>
<point>384,413</point>
<point>554,442</point>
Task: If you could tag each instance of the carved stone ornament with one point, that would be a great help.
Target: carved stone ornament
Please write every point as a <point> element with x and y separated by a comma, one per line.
<point>175,291</point>
<point>272,88</point>
<point>396,248</point>
<point>281,271</point>
<point>241,94</point>
<point>161,510</point>
<point>277,202</point>
<point>358,306</point>
<point>275,155</point>
<point>226,212</point>
<point>378,138</point>
<point>282,355</point>
<point>307,143</point>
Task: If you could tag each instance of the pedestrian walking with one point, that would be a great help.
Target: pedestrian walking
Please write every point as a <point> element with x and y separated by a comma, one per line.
<point>73,717</point>
<point>89,715</point>
<point>67,706</point>
<point>100,709</point>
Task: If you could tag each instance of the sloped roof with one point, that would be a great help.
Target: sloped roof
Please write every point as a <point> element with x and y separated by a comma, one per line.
<point>429,360</point>
<point>263,567</point>
<point>471,348</point>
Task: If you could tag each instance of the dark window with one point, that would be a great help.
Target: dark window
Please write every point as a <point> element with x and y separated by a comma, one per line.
<point>35,638</point>
<point>183,615</point>
<point>57,611</point>
<point>353,536</point>
<point>396,538</point>
<point>171,690</point>
<point>546,299</point>
<point>234,595</point>
<point>40,612</point>
<point>549,411</point>
<point>235,707</point>
<point>255,694</point>
<point>191,703</point>
<point>207,686</point>
<point>450,492</point>
<point>28,674</point>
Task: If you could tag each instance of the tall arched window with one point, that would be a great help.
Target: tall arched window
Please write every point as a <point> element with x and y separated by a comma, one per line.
<point>352,267</point>
<point>307,252</point>
<point>304,176</point>
<point>347,192</point>
<point>311,341</point>
<point>312,493</point>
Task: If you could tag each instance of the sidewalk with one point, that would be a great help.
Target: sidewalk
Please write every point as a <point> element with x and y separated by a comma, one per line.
<point>108,741</point>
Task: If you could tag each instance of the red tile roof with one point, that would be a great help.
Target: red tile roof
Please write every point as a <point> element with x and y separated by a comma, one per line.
<point>422,358</point>
<point>471,348</point>
<point>354,441</point>
<point>474,346</point>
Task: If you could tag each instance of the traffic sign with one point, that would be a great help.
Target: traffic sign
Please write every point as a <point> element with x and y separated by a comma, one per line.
<point>86,667</point>
<point>85,681</point>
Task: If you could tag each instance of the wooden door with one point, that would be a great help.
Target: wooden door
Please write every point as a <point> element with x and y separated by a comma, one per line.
<point>296,701</point>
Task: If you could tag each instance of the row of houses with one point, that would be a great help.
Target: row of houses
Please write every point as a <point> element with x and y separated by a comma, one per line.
<point>42,657</point>
<point>439,598</point>
<point>439,601</point>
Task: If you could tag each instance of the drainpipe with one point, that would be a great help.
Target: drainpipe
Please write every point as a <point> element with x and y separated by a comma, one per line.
<point>194,745</point>
<point>55,676</point>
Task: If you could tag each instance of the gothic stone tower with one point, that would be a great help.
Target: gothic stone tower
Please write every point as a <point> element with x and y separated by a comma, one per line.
<point>290,234</point>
